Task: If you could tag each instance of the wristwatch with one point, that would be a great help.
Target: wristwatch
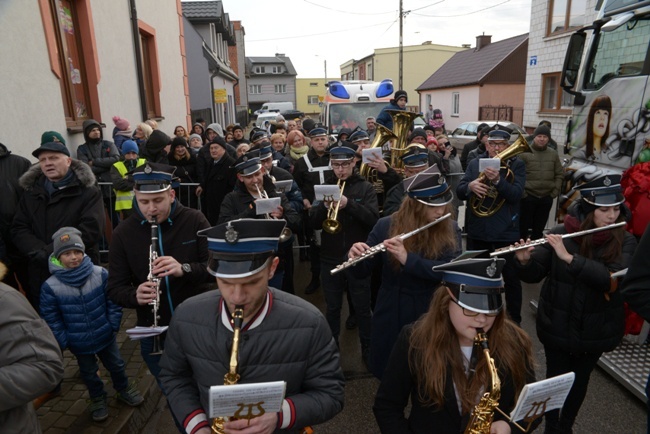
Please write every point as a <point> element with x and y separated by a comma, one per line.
<point>187,268</point>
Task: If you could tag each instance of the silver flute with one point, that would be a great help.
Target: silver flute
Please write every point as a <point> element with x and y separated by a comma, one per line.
<point>539,242</point>
<point>372,251</point>
<point>155,303</point>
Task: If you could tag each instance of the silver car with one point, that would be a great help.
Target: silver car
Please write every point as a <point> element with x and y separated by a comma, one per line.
<point>466,132</point>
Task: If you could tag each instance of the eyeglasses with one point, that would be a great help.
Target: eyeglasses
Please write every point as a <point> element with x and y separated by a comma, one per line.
<point>496,144</point>
<point>344,165</point>
<point>472,313</point>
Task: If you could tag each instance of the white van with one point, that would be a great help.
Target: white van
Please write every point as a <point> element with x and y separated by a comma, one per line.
<point>276,107</point>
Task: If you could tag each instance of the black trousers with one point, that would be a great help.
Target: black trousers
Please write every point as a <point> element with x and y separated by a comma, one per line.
<point>509,273</point>
<point>534,215</point>
<point>560,362</point>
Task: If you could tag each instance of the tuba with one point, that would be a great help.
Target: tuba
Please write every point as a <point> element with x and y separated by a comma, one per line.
<point>232,376</point>
<point>331,225</point>
<point>490,204</point>
<point>402,121</point>
<point>382,136</point>
<point>481,419</point>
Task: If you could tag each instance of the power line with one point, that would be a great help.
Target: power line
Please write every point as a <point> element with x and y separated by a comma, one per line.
<point>348,12</point>
<point>465,14</point>
<point>319,34</point>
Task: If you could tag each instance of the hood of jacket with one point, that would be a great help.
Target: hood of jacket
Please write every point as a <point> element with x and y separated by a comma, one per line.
<point>88,125</point>
<point>4,152</point>
<point>82,171</point>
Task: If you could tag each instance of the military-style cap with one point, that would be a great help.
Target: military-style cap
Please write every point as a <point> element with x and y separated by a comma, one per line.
<point>602,191</point>
<point>52,147</point>
<point>241,248</point>
<point>317,132</point>
<point>358,136</point>
<point>257,135</point>
<point>249,163</point>
<point>428,187</point>
<point>415,155</point>
<point>153,177</point>
<point>499,132</point>
<point>342,151</point>
<point>266,151</point>
<point>476,283</point>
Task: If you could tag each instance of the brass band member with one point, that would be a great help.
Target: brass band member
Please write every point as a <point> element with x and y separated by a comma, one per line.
<point>283,338</point>
<point>433,362</point>
<point>580,313</point>
<point>407,280</point>
<point>358,213</point>
<point>415,160</point>
<point>502,228</point>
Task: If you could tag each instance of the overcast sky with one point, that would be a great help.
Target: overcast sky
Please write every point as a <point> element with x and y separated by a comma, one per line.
<point>312,31</point>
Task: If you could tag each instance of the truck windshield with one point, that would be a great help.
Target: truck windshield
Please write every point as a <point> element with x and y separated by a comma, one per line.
<point>620,52</point>
<point>352,115</point>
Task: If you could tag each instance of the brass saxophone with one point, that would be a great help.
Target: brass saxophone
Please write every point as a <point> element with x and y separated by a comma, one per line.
<point>231,377</point>
<point>481,419</point>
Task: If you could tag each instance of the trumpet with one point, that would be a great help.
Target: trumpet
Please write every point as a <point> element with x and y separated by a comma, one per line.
<point>539,242</point>
<point>155,303</point>
<point>382,248</point>
<point>331,225</point>
<point>286,232</point>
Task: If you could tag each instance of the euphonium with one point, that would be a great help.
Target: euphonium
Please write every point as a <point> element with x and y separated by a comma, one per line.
<point>286,232</point>
<point>232,376</point>
<point>481,419</point>
<point>402,121</point>
<point>155,303</point>
<point>331,225</point>
<point>489,204</point>
<point>382,136</point>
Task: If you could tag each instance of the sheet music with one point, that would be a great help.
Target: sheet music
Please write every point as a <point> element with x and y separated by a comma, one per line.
<point>251,399</point>
<point>267,206</point>
<point>368,153</point>
<point>141,332</point>
<point>283,186</point>
<point>327,192</point>
<point>542,396</point>
<point>484,163</point>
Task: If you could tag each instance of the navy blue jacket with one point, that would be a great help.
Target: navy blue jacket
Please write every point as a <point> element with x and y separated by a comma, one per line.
<point>385,118</point>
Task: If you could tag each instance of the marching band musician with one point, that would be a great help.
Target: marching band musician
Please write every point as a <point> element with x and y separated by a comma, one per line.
<point>240,203</point>
<point>358,213</point>
<point>437,366</point>
<point>415,160</point>
<point>580,313</point>
<point>407,278</point>
<point>181,265</point>
<point>283,338</point>
<point>501,228</point>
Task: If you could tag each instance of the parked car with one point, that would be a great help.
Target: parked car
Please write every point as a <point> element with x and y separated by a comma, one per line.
<point>292,114</point>
<point>466,132</point>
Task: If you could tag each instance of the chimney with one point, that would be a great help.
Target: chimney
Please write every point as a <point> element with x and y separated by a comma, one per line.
<point>426,43</point>
<point>282,54</point>
<point>482,41</point>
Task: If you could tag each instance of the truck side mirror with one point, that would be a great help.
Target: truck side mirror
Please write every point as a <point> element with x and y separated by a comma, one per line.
<point>572,63</point>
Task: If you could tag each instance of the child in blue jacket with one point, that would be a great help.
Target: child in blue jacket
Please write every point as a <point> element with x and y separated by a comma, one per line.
<point>75,306</point>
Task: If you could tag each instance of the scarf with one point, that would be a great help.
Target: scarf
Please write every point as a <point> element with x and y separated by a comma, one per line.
<point>74,277</point>
<point>572,225</point>
<point>297,153</point>
<point>51,187</point>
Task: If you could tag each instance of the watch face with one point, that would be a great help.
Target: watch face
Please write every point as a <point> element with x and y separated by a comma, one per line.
<point>187,268</point>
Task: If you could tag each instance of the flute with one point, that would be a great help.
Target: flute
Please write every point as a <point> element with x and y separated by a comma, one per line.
<point>539,242</point>
<point>382,248</point>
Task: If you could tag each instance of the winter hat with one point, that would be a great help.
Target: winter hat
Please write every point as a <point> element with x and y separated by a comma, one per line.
<point>121,123</point>
<point>418,132</point>
<point>216,128</point>
<point>52,136</point>
<point>157,141</point>
<point>178,141</point>
<point>542,129</point>
<point>129,146</point>
<point>65,239</point>
<point>401,94</point>
<point>308,125</point>
<point>52,147</point>
<point>195,136</point>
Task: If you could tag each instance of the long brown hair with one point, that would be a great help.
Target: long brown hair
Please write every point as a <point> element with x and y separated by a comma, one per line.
<point>611,249</point>
<point>434,348</point>
<point>602,102</point>
<point>431,243</point>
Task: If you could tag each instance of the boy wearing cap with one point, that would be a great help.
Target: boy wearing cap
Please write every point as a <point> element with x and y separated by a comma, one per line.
<point>122,178</point>
<point>75,306</point>
<point>397,103</point>
<point>181,265</point>
<point>358,211</point>
<point>500,229</point>
<point>59,191</point>
<point>283,338</point>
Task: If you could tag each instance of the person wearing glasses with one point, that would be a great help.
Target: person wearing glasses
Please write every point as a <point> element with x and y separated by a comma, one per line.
<point>501,228</point>
<point>437,366</point>
<point>358,211</point>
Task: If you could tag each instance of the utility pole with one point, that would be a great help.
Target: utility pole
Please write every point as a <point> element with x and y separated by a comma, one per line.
<point>401,48</point>
<point>325,62</point>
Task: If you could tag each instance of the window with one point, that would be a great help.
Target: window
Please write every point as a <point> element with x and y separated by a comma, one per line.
<point>254,89</point>
<point>259,70</point>
<point>455,104</point>
<point>277,70</point>
<point>150,69</point>
<point>280,88</point>
<point>72,53</point>
<point>312,84</point>
<point>565,15</point>
<point>312,99</point>
<point>553,97</point>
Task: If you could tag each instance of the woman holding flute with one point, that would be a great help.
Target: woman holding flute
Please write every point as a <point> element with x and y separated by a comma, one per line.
<point>408,282</point>
<point>580,313</point>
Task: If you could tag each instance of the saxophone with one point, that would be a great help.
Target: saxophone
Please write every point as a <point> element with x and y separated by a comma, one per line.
<point>231,377</point>
<point>481,419</point>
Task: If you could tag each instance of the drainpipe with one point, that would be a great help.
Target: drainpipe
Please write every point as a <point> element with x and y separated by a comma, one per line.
<point>214,105</point>
<point>138,58</point>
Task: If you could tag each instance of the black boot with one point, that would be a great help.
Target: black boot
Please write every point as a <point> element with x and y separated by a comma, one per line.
<point>313,285</point>
<point>351,322</point>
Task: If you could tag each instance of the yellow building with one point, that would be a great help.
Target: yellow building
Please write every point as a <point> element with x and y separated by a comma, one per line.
<point>309,93</point>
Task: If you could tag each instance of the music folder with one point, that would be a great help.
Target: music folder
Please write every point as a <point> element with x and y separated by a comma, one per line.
<point>537,398</point>
<point>327,192</point>
<point>283,186</point>
<point>246,401</point>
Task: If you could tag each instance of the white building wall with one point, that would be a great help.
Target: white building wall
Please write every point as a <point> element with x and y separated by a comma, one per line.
<point>550,52</point>
<point>468,106</point>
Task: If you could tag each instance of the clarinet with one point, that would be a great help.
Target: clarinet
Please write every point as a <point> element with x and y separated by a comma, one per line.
<point>155,303</point>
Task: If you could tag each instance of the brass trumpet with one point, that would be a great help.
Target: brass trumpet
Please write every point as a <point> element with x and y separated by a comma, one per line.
<point>331,225</point>
<point>286,232</point>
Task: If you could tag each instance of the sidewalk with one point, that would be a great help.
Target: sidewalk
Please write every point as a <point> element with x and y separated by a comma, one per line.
<point>67,414</point>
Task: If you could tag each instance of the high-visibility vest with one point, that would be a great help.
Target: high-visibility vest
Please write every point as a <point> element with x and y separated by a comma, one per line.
<point>124,199</point>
